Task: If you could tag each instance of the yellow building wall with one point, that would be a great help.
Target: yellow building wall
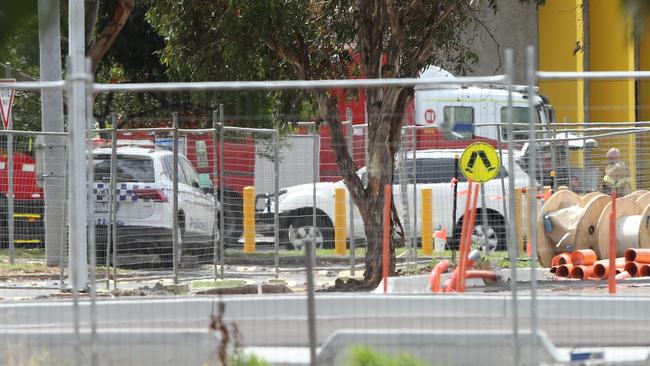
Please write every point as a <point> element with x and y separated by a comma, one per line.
<point>612,49</point>
<point>643,156</point>
<point>560,29</point>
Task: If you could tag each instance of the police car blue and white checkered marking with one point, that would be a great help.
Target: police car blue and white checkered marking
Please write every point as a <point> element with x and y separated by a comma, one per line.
<point>123,192</point>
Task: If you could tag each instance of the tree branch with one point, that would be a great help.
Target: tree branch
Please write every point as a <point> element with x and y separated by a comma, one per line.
<point>18,75</point>
<point>424,49</point>
<point>98,47</point>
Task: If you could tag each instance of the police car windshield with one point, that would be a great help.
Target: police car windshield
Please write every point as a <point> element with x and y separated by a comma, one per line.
<point>129,169</point>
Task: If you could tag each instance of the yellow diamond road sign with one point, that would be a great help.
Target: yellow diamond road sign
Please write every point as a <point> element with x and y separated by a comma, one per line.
<point>480,162</point>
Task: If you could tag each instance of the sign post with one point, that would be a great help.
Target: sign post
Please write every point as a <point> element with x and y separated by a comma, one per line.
<point>6,103</point>
<point>480,162</point>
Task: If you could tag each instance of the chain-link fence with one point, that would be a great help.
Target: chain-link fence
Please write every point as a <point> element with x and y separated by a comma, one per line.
<point>32,208</point>
<point>205,207</point>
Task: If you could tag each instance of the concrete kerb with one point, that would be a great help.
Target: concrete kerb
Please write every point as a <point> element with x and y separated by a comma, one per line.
<point>154,347</point>
<point>439,347</point>
<point>161,311</point>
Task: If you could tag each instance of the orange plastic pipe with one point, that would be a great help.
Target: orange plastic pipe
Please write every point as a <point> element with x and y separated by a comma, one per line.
<point>637,255</point>
<point>434,279</point>
<point>645,270</point>
<point>581,271</point>
<point>601,268</point>
<point>562,258</point>
<point>387,200</point>
<point>450,284</point>
<point>468,239</point>
<point>464,251</point>
<point>564,270</point>
<point>611,275</point>
<point>585,257</point>
<point>478,273</point>
<point>633,268</point>
<point>623,275</point>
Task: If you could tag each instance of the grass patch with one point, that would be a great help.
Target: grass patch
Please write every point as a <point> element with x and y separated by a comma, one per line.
<point>366,356</point>
<point>210,284</point>
<point>24,253</point>
<point>25,268</point>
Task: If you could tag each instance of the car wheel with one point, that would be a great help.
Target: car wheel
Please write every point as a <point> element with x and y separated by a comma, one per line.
<point>232,209</point>
<point>494,233</point>
<point>301,230</point>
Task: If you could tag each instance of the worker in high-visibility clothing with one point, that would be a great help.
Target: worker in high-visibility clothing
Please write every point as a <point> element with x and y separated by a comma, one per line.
<point>617,176</point>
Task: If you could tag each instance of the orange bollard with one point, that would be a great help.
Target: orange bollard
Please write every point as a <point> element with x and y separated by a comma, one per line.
<point>611,275</point>
<point>386,252</point>
<point>461,243</point>
<point>468,239</point>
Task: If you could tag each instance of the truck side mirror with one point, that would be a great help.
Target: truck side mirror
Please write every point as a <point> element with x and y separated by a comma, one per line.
<point>38,157</point>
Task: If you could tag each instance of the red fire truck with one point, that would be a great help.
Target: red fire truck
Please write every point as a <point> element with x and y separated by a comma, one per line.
<point>28,201</point>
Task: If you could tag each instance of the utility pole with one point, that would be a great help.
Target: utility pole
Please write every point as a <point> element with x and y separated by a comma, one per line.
<point>49,37</point>
<point>78,196</point>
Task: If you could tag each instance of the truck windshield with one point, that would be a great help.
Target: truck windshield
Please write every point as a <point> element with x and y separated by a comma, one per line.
<point>520,124</point>
<point>129,169</point>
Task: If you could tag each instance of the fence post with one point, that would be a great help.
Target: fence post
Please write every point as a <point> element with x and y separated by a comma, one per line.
<point>276,201</point>
<point>350,135</point>
<point>315,167</point>
<point>112,220</point>
<point>217,217</point>
<point>175,248</point>
<point>222,217</point>
<point>386,236</point>
<point>519,233</point>
<point>531,66</point>
<point>10,194</point>
<point>513,203</point>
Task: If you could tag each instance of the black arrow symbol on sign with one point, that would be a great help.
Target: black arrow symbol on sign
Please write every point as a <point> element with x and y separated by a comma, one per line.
<point>472,159</point>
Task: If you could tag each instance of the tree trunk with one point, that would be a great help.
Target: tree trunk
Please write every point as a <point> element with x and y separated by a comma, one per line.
<point>385,107</point>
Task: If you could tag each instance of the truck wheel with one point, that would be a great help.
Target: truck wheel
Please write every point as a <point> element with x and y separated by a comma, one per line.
<point>301,230</point>
<point>233,211</point>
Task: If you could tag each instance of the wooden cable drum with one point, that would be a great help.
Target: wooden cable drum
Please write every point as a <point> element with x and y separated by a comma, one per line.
<point>568,222</point>
<point>632,225</point>
<point>637,194</point>
<point>643,200</point>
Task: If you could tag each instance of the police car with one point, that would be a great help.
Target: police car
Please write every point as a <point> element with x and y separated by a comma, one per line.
<point>434,169</point>
<point>144,216</point>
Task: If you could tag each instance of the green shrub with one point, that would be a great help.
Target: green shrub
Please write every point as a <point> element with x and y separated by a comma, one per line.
<point>366,356</point>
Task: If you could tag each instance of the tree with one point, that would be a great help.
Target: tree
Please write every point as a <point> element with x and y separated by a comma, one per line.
<point>327,40</point>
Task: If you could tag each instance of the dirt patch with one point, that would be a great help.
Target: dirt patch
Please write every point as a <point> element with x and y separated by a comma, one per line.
<point>347,285</point>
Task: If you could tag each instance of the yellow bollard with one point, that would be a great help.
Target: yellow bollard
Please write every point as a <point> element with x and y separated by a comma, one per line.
<point>249,219</point>
<point>518,219</point>
<point>340,218</point>
<point>427,222</point>
<point>529,219</point>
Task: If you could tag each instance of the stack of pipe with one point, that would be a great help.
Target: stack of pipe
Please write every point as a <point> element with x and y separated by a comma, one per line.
<point>637,262</point>
<point>584,264</point>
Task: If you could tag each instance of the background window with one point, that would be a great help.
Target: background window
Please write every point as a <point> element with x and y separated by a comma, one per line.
<point>458,122</point>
